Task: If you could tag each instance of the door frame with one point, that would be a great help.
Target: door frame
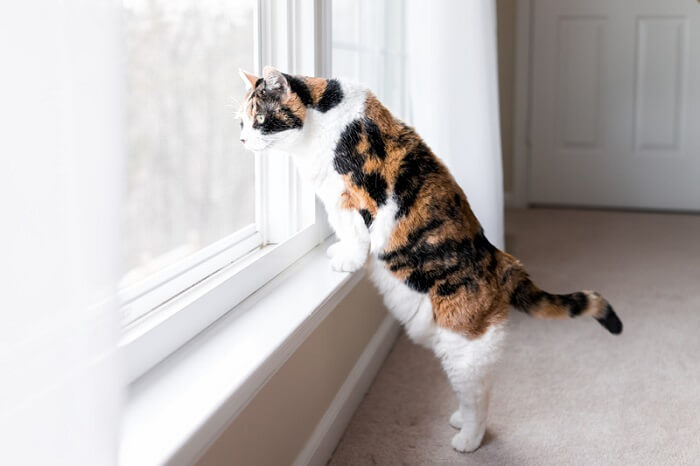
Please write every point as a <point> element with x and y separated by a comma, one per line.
<point>522,92</point>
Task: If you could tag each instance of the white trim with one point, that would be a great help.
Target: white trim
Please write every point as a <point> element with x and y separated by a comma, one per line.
<point>145,295</point>
<point>261,200</point>
<point>330,429</point>
<point>323,51</point>
<point>170,326</point>
<point>521,123</point>
<point>215,375</point>
<point>323,32</point>
<point>258,31</point>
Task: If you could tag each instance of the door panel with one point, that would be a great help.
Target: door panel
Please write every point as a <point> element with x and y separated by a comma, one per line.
<point>660,74</point>
<point>615,114</point>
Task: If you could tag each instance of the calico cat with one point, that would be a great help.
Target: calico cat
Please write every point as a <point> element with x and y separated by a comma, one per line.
<point>390,198</point>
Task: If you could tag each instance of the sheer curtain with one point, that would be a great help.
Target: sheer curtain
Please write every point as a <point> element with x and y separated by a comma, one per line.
<point>61,151</point>
<point>453,83</point>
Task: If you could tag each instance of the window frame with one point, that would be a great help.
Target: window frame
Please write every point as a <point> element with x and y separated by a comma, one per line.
<point>170,307</point>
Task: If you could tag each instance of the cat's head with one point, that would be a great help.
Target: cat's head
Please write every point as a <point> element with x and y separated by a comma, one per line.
<point>271,115</point>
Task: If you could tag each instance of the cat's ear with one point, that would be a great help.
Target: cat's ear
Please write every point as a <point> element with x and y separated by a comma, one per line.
<point>275,80</point>
<point>248,79</point>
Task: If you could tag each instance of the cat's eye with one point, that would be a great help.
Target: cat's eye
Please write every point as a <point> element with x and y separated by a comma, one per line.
<point>260,118</point>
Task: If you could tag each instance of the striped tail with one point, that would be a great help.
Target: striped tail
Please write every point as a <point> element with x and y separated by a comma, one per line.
<point>527,297</point>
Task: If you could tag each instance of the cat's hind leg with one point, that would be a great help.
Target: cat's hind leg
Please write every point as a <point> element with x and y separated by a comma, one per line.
<point>469,364</point>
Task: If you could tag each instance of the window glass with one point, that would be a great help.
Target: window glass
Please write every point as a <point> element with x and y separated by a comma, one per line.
<point>190,183</point>
<point>368,46</point>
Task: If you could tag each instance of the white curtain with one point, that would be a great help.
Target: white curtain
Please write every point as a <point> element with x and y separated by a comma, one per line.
<point>60,181</point>
<point>453,87</point>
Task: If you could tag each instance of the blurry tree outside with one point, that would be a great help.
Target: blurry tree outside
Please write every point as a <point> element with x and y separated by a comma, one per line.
<point>190,183</point>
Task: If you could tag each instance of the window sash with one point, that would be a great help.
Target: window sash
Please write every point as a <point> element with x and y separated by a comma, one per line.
<point>159,334</point>
<point>141,298</point>
<point>169,308</point>
<point>145,296</point>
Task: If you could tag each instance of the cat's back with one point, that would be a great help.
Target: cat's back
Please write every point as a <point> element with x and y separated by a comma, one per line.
<point>434,243</point>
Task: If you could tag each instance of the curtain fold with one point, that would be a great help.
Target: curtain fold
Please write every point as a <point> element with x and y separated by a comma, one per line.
<point>453,86</point>
<point>60,192</point>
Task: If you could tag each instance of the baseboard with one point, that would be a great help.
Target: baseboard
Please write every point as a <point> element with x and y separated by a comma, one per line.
<point>511,200</point>
<point>330,428</point>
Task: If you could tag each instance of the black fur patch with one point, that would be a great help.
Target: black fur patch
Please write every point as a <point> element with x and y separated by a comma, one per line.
<point>274,124</point>
<point>447,288</point>
<point>413,238</point>
<point>375,184</point>
<point>575,302</point>
<point>294,121</point>
<point>331,97</point>
<point>456,263</point>
<point>526,295</point>
<point>415,167</point>
<point>611,321</point>
<point>420,281</point>
<point>367,217</point>
<point>374,136</point>
<point>454,209</point>
<point>348,161</point>
<point>300,88</point>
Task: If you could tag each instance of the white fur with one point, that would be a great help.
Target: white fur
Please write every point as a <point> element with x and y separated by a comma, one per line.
<point>469,365</point>
<point>313,153</point>
<point>467,362</point>
<point>412,309</point>
<point>382,226</point>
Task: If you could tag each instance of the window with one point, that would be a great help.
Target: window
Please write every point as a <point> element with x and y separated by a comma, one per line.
<point>191,186</point>
<point>206,223</point>
<point>369,47</point>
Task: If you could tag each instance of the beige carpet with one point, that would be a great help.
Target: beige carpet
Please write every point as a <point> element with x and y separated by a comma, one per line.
<point>566,392</point>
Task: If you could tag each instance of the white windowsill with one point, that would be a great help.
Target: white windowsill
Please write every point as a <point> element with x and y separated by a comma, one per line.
<point>180,406</point>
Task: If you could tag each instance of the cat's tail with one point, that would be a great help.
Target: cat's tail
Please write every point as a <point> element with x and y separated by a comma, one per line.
<point>529,298</point>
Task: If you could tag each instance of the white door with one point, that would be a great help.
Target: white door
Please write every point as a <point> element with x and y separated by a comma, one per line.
<point>615,103</point>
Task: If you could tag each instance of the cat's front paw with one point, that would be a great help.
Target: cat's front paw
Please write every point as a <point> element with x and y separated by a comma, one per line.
<point>347,257</point>
<point>333,248</point>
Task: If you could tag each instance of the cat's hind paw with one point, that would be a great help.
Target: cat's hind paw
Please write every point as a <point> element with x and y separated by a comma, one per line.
<point>456,420</point>
<point>465,443</point>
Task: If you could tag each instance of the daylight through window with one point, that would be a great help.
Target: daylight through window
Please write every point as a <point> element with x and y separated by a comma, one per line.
<point>190,182</point>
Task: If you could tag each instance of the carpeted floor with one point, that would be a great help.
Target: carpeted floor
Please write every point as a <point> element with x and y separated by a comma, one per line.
<point>566,392</point>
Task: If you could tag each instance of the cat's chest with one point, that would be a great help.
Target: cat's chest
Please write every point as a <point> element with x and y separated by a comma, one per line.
<point>315,166</point>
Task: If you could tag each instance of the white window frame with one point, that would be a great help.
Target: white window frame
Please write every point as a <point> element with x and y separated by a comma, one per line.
<point>170,307</point>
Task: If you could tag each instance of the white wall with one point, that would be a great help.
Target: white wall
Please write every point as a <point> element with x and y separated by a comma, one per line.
<point>277,424</point>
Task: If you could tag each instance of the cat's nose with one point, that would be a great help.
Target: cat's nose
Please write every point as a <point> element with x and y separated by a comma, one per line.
<point>242,141</point>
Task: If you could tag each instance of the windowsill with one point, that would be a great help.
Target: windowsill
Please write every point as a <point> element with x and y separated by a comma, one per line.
<point>181,405</point>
